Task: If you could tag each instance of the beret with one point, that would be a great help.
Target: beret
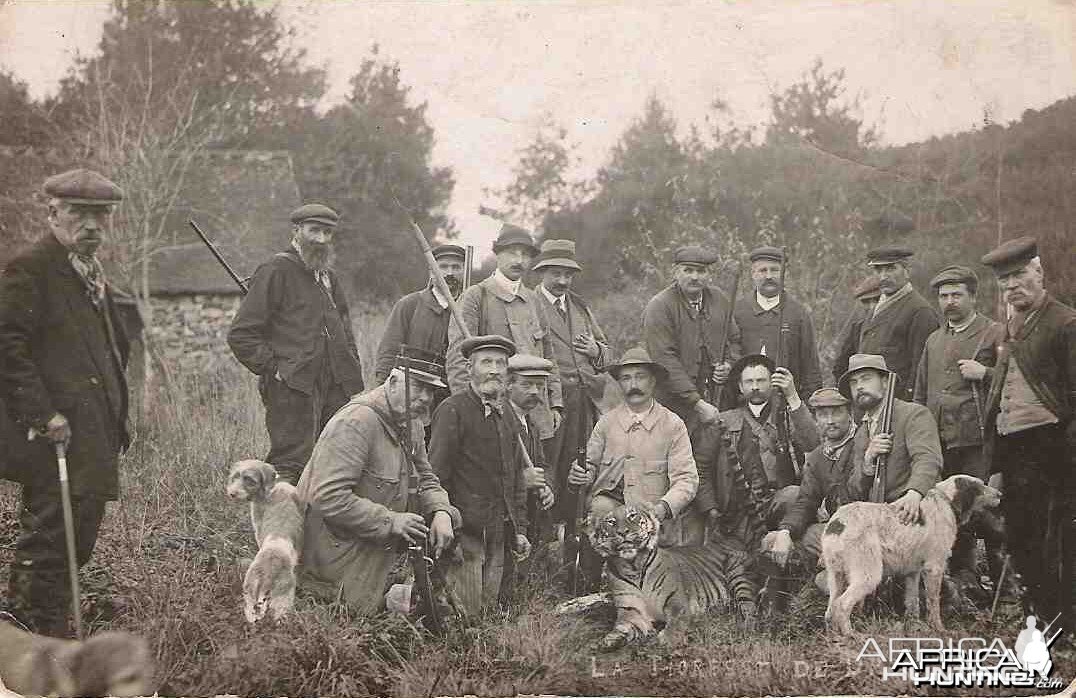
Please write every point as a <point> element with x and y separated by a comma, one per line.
<point>315,212</point>
<point>530,365</point>
<point>888,254</point>
<point>827,397</point>
<point>694,254</point>
<point>867,288</point>
<point>422,365</point>
<point>636,356</point>
<point>955,274</point>
<point>1011,255</point>
<point>513,235</point>
<point>83,187</point>
<point>557,253</point>
<point>767,252</point>
<point>486,341</point>
<point>447,250</point>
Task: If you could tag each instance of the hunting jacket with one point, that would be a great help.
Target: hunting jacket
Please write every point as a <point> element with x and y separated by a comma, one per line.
<point>416,320</point>
<point>915,462</point>
<point>758,330</point>
<point>825,480</point>
<point>898,331</point>
<point>582,321</point>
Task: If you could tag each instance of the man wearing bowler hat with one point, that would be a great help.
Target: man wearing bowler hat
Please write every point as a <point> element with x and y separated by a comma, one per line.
<point>293,331</point>
<point>866,293</point>
<point>1031,432</point>
<point>63,353</point>
<point>420,319</point>
<point>501,305</point>
<point>902,319</point>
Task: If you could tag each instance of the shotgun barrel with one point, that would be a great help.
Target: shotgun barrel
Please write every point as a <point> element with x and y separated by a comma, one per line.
<point>220,258</point>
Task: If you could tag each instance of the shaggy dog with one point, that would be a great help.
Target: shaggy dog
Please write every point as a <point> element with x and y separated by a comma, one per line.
<point>109,664</point>
<point>865,542</point>
<point>269,583</point>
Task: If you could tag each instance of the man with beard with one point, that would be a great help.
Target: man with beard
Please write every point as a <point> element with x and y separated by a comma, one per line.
<point>501,305</point>
<point>902,319</point>
<point>63,353</point>
<point>475,453</point>
<point>1031,432</point>
<point>757,315</point>
<point>639,453</point>
<point>357,489</point>
<point>866,293</point>
<point>420,319</point>
<point>293,331</point>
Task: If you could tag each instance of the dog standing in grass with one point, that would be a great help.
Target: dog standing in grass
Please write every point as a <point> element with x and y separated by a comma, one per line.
<point>269,584</point>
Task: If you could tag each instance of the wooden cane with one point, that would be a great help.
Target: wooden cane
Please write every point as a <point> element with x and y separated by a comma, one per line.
<point>69,530</point>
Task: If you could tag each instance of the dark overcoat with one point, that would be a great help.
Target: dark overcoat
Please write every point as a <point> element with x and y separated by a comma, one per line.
<point>758,330</point>
<point>416,320</point>
<point>899,332</point>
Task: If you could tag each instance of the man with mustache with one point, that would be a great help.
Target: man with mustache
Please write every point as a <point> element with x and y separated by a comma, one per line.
<point>1031,432</point>
<point>475,453</point>
<point>954,372</point>
<point>63,353</point>
<point>757,315</point>
<point>866,293</point>
<point>902,319</point>
<point>293,330</point>
<point>420,319</point>
<point>502,305</point>
<point>369,489</point>
<point>639,452</point>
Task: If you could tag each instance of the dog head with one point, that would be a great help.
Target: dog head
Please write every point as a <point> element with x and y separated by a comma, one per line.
<point>250,480</point>
<point>968,495</point>
<point>114,663</point>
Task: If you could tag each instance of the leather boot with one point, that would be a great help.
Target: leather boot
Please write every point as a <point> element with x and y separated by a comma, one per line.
<point>40,600</point>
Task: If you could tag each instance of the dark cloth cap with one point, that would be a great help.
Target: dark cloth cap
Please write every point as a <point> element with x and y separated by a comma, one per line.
<point>869,287</point>
<point>514,235</point>
<point>888,254</point>
<point>486,341</point>
<point>956,274</point>
<point>637,356</point>
<point>767,252</point>
<point>447,250</point>
<point>827,397</point>
<point>858,362</point>
<point>83,187</point>
<point>530,365</point>
<point>739,366</point>
<point>315,212</point>
<point>422,365</point>
<point>694,254</point>
<point>557,253</point>
<point>1011,255</point>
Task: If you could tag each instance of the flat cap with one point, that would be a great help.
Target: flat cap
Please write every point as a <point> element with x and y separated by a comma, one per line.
<point>637,356</point>
<point>422,365</point>
<point>888,254</point>
<point>1011,255</point>
<point>447,250</point>
<point>775,254</point>
<point>956,274</point>
<point>827,397</point>
<point>486,341</point>
<point>530,365</point>
<point>868,288</point>
<point>514,235</point>
<point>557,253</point>
<point>694,254</point>
<point>83,187</point>
<point>319,213</point>
<point>858,362</point>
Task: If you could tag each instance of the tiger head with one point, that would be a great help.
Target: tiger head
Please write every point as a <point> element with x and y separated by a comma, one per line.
<point>623,532</point>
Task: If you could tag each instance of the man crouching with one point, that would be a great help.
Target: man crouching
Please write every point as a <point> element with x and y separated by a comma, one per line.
<point>355,489</point>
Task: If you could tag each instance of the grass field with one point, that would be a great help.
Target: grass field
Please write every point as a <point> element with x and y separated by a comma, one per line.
<point>167,567</point>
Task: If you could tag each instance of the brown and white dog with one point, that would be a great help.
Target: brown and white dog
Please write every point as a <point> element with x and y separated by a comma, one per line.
<point>110,664</point>
<point>864,543</point>
<point>275,512</point>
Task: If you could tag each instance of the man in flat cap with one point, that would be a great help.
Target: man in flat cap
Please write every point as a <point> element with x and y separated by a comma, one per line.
<point>475,452</point>
<point>356,489</point>
<point>757,316</point>
<point>1031,432</point>
<point>866,293</point>
<point>902,319</point>
<point>63,354</point>
<point>502,305</point>
<point>293,330</point>
<point>420,319</point>
<point>580,350</point>
<point>954,372</point>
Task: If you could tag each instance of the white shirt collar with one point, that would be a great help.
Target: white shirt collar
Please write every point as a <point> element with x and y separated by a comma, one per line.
<point>553,300</point>
<point>506,283</point>
<point>767,303</point>
<point>966,325</point>
<point>438,297</point>
<point>756,409</point>
<point>521,415</point>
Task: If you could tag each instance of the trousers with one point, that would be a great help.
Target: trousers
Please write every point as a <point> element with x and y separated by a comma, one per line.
<point>476,579</point>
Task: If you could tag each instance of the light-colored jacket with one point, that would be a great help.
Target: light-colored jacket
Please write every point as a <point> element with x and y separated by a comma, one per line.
<point>653,461</point>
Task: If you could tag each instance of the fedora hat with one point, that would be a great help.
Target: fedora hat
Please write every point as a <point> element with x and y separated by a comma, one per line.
<point>858,362</point>
<point>637,356</point>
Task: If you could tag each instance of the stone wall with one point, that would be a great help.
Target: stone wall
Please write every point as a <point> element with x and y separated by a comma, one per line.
<point>190,332</point>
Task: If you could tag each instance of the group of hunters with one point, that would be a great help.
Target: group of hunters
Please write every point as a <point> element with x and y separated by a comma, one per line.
<point>473,439</point>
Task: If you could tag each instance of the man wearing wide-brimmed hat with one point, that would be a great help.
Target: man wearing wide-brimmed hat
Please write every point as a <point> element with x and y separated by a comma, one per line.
<point>639,452</point>
<point>866,293</point>
<point>356,489</point>
<point>901,321</point>
<point>63,353</point>
<point>293,330</point>
<point>1031,429</point>
<point>502,305</point>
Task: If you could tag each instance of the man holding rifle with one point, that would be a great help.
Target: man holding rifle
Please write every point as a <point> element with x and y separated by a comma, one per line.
<point>293,331</point>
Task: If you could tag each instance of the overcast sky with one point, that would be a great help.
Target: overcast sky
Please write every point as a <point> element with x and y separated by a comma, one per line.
<point>491,70</point>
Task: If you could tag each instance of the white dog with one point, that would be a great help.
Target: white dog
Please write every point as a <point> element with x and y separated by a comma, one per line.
<point>275,512</point>
<point>865,542</point>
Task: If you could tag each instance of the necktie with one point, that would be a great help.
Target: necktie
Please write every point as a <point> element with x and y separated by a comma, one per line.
<point>696,306</point>
<point>89,270</point>
<point>489,408</point>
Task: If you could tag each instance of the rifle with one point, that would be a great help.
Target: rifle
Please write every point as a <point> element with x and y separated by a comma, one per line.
<point>216,253</point>
<point>881,463</point>
<point>468,262</point>
<point>785,449</point>
<point>573,538</point>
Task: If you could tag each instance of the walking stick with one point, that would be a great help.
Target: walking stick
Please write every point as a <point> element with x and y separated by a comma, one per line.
<point>997,589</point>
<point>69,530</point>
